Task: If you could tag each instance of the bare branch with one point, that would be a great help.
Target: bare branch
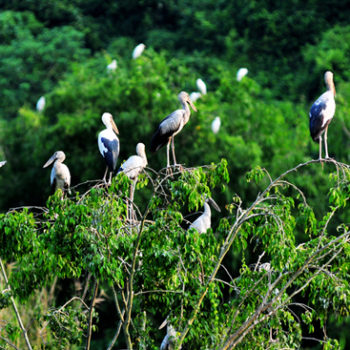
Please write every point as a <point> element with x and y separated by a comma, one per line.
<point>24,331</point>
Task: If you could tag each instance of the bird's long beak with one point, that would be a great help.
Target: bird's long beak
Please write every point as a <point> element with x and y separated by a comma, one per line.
<point>214,205</point>
<point>164,323</point>
<point>192,105</point>
<point>50,161</point>
<point>114,127</point>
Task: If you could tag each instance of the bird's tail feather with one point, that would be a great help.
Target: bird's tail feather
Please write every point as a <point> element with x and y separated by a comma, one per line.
<point>158,141</point>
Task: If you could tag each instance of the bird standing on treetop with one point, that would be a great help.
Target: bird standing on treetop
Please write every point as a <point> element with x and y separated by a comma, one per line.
<point>40,105</point>
<point>194,96</point>
<point>108,144</point>
<point>241,73</point>
<point>215,125</point>
<point>132,168</point>
<point>60,175</point>
<point>138,50</point>
<point>172,125</point>
<point>322,112</point>
<point>112,66</point>
<point>201,86</point>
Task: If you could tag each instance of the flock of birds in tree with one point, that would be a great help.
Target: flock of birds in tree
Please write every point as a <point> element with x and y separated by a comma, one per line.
<point>321,114</point>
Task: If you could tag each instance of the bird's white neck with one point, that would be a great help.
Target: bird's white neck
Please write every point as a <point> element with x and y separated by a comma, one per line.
<point>187,111</point>
<point>330,86</point>
<point>143,156</point>
<point>207,210</point>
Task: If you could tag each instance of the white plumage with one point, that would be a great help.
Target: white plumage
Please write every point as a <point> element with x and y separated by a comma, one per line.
<point>201,86</point>
<point>241,73</point>
<point>40,105</point>
<point>203,222</point>
<point>112,66</point>
<point>2,163</point>
<point>194,96</point>
<point>134,165</point>
<point>60,175</point>
<point>138,50</point>
<point>215,125</point>
<point>170,338</point>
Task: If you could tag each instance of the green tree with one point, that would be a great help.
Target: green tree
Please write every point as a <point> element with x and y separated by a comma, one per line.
<point>33,58</point>
<point>155,268</point>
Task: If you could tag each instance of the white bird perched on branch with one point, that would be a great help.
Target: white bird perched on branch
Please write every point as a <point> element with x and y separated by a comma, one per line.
<point>108,144</point>
<point>132,167</point>
<point>169,340</point>
<point>215,125</point>
<point>201,86</point>
<point>60,175</point>
<point>112,66</point>
<point>203,222</point>
<point>171,126</point>
<point>40,105</point>
<point>2,163</point>
<point>241,73</point>
<point>138,50</point>
<point>194,96</point>
<point>321,114</point>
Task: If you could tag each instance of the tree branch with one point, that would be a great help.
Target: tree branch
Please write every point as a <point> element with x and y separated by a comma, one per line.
<point>88,342</point>
<point>24,331</point>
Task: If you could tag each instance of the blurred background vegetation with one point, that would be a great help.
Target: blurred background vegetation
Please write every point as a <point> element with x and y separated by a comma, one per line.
<point>60,50</point>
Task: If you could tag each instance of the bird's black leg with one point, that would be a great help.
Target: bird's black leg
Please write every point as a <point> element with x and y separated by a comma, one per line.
<point>325,142</point>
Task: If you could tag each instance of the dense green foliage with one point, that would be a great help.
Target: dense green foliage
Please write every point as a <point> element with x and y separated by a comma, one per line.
<point>60,49</point>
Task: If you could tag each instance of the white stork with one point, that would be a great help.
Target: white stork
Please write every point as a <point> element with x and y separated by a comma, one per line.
<point>168,342</point>
<point>201,86</point>
<point>215,125</point>
<point>60,175</point>
<point>2,163</point>
<point>112,66</point>
<point>172,125</point>
<point>203,222</point>
<point>108,144</point>
<point>321,114</point>
<point>241,73</point>
<point>132,167</point>
<point>194,96</point>
<point>138,50</point>
<point>40,105</point>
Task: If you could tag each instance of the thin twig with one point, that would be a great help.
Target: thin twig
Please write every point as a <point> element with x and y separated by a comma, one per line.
<point>24,331</point>
<point>88,341</point>
<point>8,342</point>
